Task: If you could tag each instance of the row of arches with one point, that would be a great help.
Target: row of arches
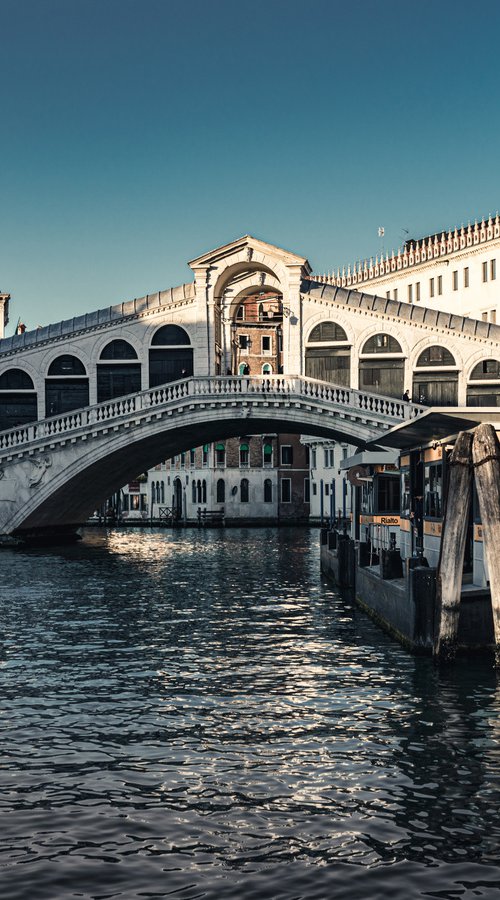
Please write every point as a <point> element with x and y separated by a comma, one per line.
<point>381,368</point>
<point>118,372</point>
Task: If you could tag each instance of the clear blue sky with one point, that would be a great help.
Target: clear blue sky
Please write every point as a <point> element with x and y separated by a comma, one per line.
<point>138,134</point>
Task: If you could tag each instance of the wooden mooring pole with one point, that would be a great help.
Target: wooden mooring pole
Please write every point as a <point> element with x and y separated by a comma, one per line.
<point>486,459</point>
<point>452,551</point>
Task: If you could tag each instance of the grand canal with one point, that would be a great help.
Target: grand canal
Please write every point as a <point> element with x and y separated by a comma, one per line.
<point>199,715</point>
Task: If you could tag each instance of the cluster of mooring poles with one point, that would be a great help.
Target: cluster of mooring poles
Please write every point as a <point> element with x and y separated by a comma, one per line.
<point>475,453</point>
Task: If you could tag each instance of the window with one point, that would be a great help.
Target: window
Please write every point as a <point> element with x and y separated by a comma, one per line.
<point>221,491</point>
<point>436,356</point>
<point>388,494</point>
<point>327,490</point>
<point>268,491</point>
<point>203,491</point>
<point>307,491</point>
<point>313,459</point>
<point>433,490</point>
<point>192,458</point>
<point>267,455</point>
<point>493,316</point>
<point>431,287</point>
<point>484,317</point>
<point>382,343</point>
<point>286,490</point>
<point>493,269</point>
<point>286,455</point>
<point>220,455</point>
<point>327,332</point>
<point>266,369</point>
<point>193,487</point>
<point>118,350</point>
<point>204,456</point>
<point>488,368</point>
<point>170,336</point>
<point>244,342</point>
<point>440,285</point>
<point>315,488</point>
<point>466,277</point>
<point>417,291</point>
<point>454,280</point>
<point>410,293</point>
<point>244,490</point>
<point>325,451</point>
<point>183,460</point>
<point>485,271</point>
<point>244,454</point>
<point>266,345</point>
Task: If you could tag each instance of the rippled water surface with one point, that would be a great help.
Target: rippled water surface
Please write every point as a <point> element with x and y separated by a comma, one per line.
<point>199,715</point>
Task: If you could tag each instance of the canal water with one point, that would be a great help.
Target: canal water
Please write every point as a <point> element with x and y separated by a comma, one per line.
<point>198,714</point>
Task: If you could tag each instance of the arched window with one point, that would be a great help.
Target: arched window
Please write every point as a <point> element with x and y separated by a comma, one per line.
<point>18,400</point>
<point>116,376</point>
<point>433,387</point>
<point>67,366</point>
<point>66,385</point>
<point>267,455</point>
<point>170,356</point>
<point>267,369</point>
<point>435,356</point>
<point>162,489</point>
<point>384,375</point>
<point>330,362</point>
<point>16,380</point>
<point>200,498</point>
<point>488,392</point>
<point>118,349</point>
<point>244,490</point>
<point>170,336</point>
<point>221,491</point>
<point>382,343</point>
<point>268,491</point>
<point>203,491</point>
<point>244,455</point>
<point>193,489</point>
<point>220,455</point>
<point>327,332</point>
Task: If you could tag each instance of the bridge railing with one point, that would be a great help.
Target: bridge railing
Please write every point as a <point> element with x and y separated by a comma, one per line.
<point>198,386</point>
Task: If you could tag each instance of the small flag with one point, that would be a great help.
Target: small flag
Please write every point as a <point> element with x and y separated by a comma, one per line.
<point>381,231</point>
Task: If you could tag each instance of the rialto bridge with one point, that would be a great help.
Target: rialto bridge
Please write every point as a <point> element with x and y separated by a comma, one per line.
<point>254,339</point>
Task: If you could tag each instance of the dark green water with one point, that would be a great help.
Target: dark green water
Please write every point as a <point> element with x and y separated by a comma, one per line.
<point>199,715</point>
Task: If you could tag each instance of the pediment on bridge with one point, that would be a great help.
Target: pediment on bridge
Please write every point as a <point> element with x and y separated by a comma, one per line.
<point>251,249</point>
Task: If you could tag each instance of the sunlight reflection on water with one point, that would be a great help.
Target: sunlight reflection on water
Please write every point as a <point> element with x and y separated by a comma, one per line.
<point>198,714</point>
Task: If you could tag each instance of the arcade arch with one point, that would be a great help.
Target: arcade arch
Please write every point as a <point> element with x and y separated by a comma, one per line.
<point>170,355</point>
<point>382,366</point>
<point>328,354</point>
<point>435,378</point>
<point>66,385</point>
<point>483,388</point>
<point>117,372</point>
<point>18,399</point>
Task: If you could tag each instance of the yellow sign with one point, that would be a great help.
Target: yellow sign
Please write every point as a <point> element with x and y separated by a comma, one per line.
<point>434,528</point>
<point>380,520</point>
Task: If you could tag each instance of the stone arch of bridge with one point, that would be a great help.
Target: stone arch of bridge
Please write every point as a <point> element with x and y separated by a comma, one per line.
<point>61,486</point>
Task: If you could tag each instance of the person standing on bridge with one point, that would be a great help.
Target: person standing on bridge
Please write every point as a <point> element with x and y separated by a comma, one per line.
<point>406,397</point>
